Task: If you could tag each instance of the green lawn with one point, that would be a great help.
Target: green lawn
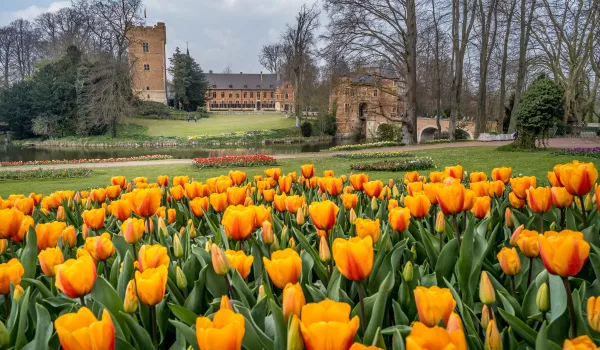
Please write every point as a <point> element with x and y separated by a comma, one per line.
<point>215,124</point>
<point>472,158</point>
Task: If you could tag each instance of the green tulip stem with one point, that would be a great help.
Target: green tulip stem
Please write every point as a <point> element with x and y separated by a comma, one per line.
<point>542,223</point>
<point>106,273</point>
<point>529,272</point>
<point>512,286</point>
<point>153,320</point>
<point>562,218</point>
<point>361,298</point>
<point>52,286</point>
<point>570,306</point>
<point>134,252</point>
<point>228,286</point>
<point>456,233</point>
<point>6,307</point>
<point>583,212</point>
<point>441,241</point>
<point>12,248</point>
<point>82,301</point>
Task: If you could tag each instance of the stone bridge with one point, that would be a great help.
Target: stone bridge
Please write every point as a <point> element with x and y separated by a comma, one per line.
<point>427,128</point>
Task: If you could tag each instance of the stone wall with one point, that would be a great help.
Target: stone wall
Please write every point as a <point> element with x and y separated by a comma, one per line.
<point>149,84</point>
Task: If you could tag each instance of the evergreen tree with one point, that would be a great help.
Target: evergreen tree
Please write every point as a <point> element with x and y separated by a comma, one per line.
<point>189,82</point>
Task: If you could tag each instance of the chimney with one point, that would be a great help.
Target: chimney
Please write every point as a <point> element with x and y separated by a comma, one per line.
<point>260,75</point>
<point>210,72</point>
<point>241,72</point>
<point>278,76</point>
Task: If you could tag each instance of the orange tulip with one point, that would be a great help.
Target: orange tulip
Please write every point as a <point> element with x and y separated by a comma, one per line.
<point>94,218</point>
<point>437,176</point>
<point>415,187</point>
<point>177,192</point>
<point>293,300</point>
<point>520,185</point>
<point>100,247</point>
<point>25,205</point>
<point>23,229</point>
<point>132,230</point>
<point>434,304</point>
<point>199,206</point>
<point>49,258</point>
<point>180,181</point>
<point>502,174</point>
<point>151,257</point>
<point>75,278</point>
<point>481,188</point>
<point>399,218</point>
<point>269,195</point>
<point>358,180</point>
<point>10,272</point>
<point>98,195</point>
<point>477,177</point>
<point>293,203</point>
<point>48,234</point>
<point>418,205</point>
<point>561,198</point>
<point>430,190</point>
<point>119,181</point>
<point>273,173</point>
<point>10,222</point>
<point>113,192</point>
<point>411,176</point>
<point>539,199</point>
<point>373,188</point>
<point>285,183</point>
<point>597,195</point>
<point>238,177</point>
<point>121,209</point>
<point>82,331</point>
<point>469,201</point>
<point>593,313</point>
<point>553,180</point>
<point>240,261</point>
<point>509,261</point>
<point>368,227</point>
<point>455,172</point>
<point>353,257</point>
<point>578,178</point>
<point>496,189</point>
<point>224,332</point>
<point>327,173</point>
<point>583,342</point>
<point>236,195</point>
<point>69,236</point>
<point>192,189</point>
<point>482,206</point>
<point>146,201</point>
<point>528,243</point>
<point>151,285</point>
<point>434,338</point>
<point>451,198</point>
<point>515,201</point>
<point>323,214</point>
<point>308,170</point>
<point>327,325</point>
<point>349,200</point>
<point>238,222</point>
<point>279,202</point>
<point>565,253</point>
<point>218,201</point>
<point>172,215</point>
<point>262,214</point>
<point>333,185</point>
<point>284,267</point>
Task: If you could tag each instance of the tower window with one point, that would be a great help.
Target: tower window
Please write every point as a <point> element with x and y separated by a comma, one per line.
<point>222,94</point>
<point>146,66</point>
<point>214,95</point>
<point>145,47</point>
<point>147,87</point>
<point>148,96</point>
<point>375,93</point>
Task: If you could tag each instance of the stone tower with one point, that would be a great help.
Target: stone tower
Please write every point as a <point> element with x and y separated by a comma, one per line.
<point>147,56</point>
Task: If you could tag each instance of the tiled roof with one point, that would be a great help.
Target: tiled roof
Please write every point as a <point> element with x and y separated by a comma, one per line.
<point>243,81</point>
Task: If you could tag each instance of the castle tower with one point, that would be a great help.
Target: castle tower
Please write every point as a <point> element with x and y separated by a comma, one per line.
<point>147,55</point>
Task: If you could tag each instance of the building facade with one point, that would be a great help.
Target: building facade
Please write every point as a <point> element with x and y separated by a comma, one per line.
<point>248,92</point>
<point>147,56</point>
<point>362,102</point>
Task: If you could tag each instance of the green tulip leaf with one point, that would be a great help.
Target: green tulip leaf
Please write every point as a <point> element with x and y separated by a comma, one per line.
<point>254,337</point>
<point>280,326</point>
<point>188,333</point>
<point>29,256</point>
<point>104,293</point>
<point>521,328</point>
<point>185,315</point>
<point>21,339</point>
<point>379,310</point>
<point>397,340</point>
<point>43,330</point>
<point>447,261</point>
<point>558,297</point>
<point>319,268</point>
<point>138,333</point>
<point>41,287</point>
<point>125,275</point>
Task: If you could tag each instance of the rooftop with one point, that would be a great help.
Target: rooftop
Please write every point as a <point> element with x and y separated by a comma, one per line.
<point>238,81</point>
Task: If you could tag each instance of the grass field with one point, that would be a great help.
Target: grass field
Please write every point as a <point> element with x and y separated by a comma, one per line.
<point>472,158</point>
<point>215,124</point>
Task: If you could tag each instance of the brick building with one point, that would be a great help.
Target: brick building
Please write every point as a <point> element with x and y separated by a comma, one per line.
<point>364,101</point>
<point>248,92</point>
<point>148,57</point>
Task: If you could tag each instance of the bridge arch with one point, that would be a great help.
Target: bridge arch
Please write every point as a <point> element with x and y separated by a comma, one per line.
<point>428,133</point>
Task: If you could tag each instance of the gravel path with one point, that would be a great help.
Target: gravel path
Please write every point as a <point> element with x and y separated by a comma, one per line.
<point>554,143</point>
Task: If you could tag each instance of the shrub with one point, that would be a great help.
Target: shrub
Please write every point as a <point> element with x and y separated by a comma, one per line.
<point>85,160</point>
<point>306,129</point>
<point>389,132</point>
<point>579,152</point>
<point>367,155</point>
<point>38,174</point>
<point>362,146</point>
<point>395,165</point>
<point>151,108</point>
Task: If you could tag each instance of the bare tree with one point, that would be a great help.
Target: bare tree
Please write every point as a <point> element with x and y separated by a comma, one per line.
<point>298,42</point>
<point>502,101</point>
<point>271,57</point>
<point>227,69</point>
<point>375,31</point>
<point>114,19</point>
<point>7,46</point>
<point>25,48</point>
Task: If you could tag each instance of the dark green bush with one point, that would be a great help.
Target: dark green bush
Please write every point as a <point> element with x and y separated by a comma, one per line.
<point>151,108</point>
<point>306,129</point>
<point>389,132</point>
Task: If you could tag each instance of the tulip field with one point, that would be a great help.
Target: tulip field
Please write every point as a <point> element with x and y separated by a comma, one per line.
<point>312,259</point>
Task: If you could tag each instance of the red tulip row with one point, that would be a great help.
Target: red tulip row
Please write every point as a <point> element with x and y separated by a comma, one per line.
<point>85,160</point>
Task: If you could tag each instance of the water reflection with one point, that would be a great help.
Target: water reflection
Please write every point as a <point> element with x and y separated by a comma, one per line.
<point>11,153</point>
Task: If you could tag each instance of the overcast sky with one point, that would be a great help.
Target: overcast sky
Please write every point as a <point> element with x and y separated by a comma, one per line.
<point>219,32</point>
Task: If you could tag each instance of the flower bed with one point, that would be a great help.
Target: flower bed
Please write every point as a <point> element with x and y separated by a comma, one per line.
<point>80,161</point>
<point>395,165</point>
<point>40,174</point>
<point>368,155</point>
<point>362,146</point>
<point>579,152</point>
<point>247,160</point>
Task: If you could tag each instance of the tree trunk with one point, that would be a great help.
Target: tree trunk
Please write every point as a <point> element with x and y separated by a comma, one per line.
<point>502,102</point>
<point>438,95</point>
<point>411,68</point>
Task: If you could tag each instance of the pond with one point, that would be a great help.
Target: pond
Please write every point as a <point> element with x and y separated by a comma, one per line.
<point>12,153</point>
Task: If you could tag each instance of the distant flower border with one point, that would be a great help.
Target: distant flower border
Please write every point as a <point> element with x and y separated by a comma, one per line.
<point>246,160</point>
<point>362,146</point>
<point>370,155</point>
<point>42,174</point>
<point>84,160</point>
<point>578,152</point>
<point>394,165</point>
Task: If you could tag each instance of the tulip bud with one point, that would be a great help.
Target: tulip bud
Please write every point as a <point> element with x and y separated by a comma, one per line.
<point>588,203</point>
<point>162,227</point>
<point>208,245</point>
<point>324,252</point>
<point>395,192</point>
<point>294,339</point>
<point>275,245</point>
<point>292,243</point>
<point>487,314</point>
<point>292,300</point>
<point>84,231</point>
<point>149,226</point>
<point>248,201</point>
<point>391,183</point>
<point>553,226</point>
<point>18,292</point>
<point>261,293</point>
<point>284,233</point>
<point>323,197</point>
<point>88,204</point>
<point>177,247</point>
<point>180,278</point>
<point>493,340</point>
<point>129,187</point>
<point>374,204</point>
<point>226,303</point>
<point>3,245</point>
<point>267,232</point>
<point>440,222</point>
<point>60,214</point>
<point>508,218</point>
<point>219,261</point>
<point>130,304</point>
<point>384,192</point>
<point>353,216</point>
<point>401,200</point>
<point>4,337</point>
<point>578,203</point>
<point>77,198</point>
<point>515,236</point>
<point>542,299</point>
<point>300,216</point>
<point>191,229</point>
<point>413,250</point>
<point>407,272</point>
<point>487,294</point>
